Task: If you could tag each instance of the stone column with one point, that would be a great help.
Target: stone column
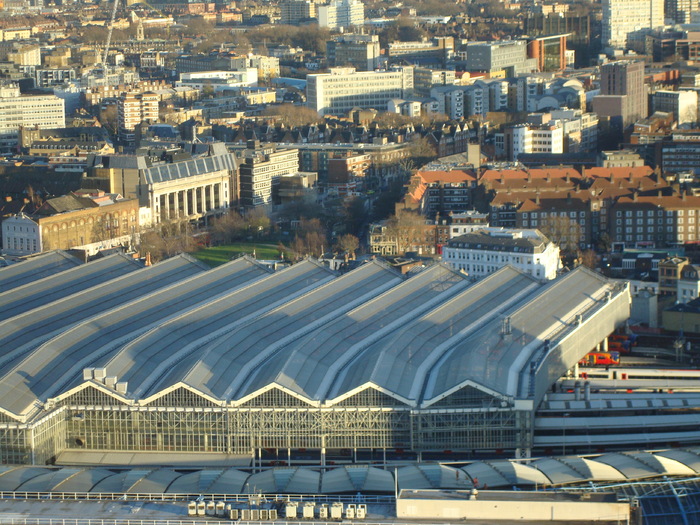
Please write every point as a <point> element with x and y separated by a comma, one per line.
<point>202,208</point>
<point>176,204</point>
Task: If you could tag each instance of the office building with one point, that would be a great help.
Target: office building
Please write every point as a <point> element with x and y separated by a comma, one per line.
<point>343,89</point>
<point>624,20</point>
<point>549,51</point>
<point>507,56</point>
<point>41,111</point>
<point>261,167</point>
<point>434,52</point>
<point>359,51</point>
<point>425,79</point>
<point>682,104</point>
<point>680,153</point>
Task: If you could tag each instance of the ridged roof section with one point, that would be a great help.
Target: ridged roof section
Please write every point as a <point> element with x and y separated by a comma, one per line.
<point>304,365</point>
<point>173,344</point>
<point>189,168</point>
<point>36,268</point>
<point>58,363</point>
<point>28,330</point>
<point>227,362</point>
<point>48,289</point>
<point>488,358</point>
<point>400,361</point>
<point>496,474</point>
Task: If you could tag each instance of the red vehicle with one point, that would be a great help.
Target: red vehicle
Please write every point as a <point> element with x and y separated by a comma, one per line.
<point>622,347</point>
<point>600,358</point>
<point>631,339</point>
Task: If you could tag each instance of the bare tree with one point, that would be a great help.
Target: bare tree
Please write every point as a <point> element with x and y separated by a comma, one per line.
<point>310,239</point>
<point>229,227</point>
<point>348,243</point>
<point>409,230</point>
<point>589,259</point>
<point>167,239</point>
<point>291,115</point>
<point>562,231</point>
<point>257,221</point>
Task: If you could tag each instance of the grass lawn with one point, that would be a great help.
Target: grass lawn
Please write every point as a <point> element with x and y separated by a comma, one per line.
<point>217,255</point>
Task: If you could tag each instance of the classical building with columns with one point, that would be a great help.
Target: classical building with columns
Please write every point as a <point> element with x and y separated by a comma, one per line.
<point>190,182</point>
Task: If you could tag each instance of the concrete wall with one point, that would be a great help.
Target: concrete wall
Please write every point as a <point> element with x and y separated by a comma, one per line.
<point>582,340</point>
<point>511,509</point>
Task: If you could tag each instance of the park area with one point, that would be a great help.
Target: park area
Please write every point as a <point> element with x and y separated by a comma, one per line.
<point>217,255</point>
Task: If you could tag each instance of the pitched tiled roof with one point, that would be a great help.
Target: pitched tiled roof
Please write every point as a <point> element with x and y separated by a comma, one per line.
<point>619,173</point>
<point>552,173</point>
<point>446,176</point>
<point>664,201</point>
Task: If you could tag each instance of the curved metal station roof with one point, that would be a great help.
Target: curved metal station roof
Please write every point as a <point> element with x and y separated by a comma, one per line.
<point>238,331</point>
<point>496,474</point>
<point>39,292</point>
<point>35,268</point>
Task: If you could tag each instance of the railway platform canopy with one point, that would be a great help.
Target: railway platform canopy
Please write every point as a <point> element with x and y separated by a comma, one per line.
<point>557,472</point>
<point>180,358</point>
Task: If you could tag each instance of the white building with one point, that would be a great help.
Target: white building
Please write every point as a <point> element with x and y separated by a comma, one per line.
<point>344,88</point>
<point>219,80</point>
<point>683,105</point>
<point>688,286</point>
<point>341,14</point>
<point>625,19</point>
<point>21,235</point>
<point>260,169</point>
<point>467,222</point>
<point>484,251</point>
<point>527,138</point>
<point>42,111</point>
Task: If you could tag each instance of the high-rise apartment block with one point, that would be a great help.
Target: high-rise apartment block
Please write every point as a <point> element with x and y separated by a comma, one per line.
<point>132,110</point>
<point>623,94</point>
<point>342,89</point>
<point>679,10</point>
<point>294,11</point>
<point>622,19</point>
<point>341,14</point>
<point>359,51</point>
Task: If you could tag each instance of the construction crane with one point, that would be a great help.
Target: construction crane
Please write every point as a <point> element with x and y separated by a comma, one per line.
<point>109,34</point>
